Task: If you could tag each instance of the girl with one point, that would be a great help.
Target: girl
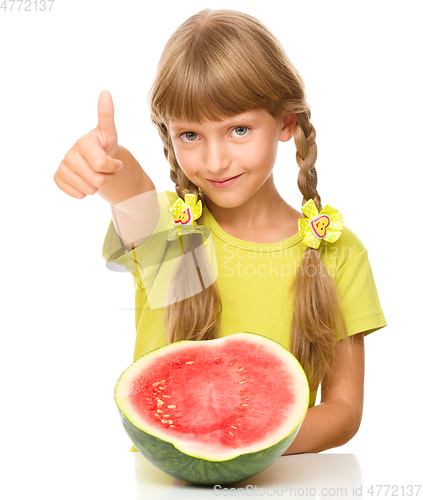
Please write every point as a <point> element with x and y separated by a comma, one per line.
<point>224,97</point>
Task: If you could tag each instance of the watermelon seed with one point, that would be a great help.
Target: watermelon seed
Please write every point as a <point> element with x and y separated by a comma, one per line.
<point>161,387</point>
<point>233,427</point>
<point>171,406</point>
<point>156,383</point>
<point>159,411</point>
<point>189,363</point>
<point>243,381</point>
<point>165,396</point>
<point>171,422</point>
<point>230,433</point>
<point>164,421</point>
<point>232,363</point>
<point>245,404</point>
<point>172,425</point>
<point>159,403</point>
<point>162,381</point>
<point>166,416</point>
<point>240,370</point>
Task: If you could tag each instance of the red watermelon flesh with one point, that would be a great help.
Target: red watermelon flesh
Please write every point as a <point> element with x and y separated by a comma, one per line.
<point>216,399</point>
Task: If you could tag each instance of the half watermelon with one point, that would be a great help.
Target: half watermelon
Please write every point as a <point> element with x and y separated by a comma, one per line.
<point>216,411</point>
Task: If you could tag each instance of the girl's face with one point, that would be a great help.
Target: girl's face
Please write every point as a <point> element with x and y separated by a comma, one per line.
<point>242,148</point>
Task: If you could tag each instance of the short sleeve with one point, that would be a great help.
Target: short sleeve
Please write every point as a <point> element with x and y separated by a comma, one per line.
<point>144,256</point>
<point>360,300</point>
<point>154,262</point>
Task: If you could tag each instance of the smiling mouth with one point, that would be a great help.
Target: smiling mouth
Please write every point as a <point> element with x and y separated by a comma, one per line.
<point>224,180</point>
<point>229,181</point>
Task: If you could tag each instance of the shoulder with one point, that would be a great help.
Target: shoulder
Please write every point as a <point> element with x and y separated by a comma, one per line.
<point>167,197</point>
<point>345,249</point>
<point>350,241</point>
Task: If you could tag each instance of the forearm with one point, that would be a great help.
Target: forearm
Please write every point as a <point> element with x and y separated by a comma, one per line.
<point>326,426</point>
<point>136,218</point>
<point>128,182</point>
<point>133,200</point>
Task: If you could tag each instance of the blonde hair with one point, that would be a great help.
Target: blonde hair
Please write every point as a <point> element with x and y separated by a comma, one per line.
<point>221,63</point>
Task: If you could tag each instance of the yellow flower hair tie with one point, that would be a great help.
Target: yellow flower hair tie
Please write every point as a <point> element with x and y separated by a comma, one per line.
<point>185,214</point>
<point>316,226</point>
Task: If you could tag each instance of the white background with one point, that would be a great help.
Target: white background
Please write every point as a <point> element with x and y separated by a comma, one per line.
<point>67,323</point>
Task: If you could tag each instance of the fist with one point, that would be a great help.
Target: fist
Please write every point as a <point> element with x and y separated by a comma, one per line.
<point>89,164</point>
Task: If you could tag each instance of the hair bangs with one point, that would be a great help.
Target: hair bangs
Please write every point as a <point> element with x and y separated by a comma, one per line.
<point>213,77</point>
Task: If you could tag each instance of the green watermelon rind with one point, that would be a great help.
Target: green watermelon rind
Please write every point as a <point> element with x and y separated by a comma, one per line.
<point>194,470</point>
<point>178,464</point>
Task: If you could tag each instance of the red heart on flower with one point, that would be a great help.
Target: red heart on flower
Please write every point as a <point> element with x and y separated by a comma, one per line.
<point>184,217</point>
<point>319,226</point>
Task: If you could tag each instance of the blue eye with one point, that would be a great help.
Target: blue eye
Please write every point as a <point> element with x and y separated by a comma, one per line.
<point>240,131</point>
<point>189,136</point>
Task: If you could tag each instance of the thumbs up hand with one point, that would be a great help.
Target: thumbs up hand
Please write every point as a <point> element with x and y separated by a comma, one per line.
<point>89,164</point>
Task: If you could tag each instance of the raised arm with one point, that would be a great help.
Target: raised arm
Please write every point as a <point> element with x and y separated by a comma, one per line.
<point>97,164</point>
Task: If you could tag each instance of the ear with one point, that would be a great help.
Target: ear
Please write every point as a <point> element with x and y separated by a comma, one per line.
<point>287,126</point>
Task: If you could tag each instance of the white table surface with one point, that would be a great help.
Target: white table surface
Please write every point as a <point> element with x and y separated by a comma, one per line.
<point>129,476</point>
<point>288,476</point>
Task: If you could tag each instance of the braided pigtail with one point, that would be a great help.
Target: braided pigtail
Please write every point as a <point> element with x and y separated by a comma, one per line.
<point>318,317</point>
<point>197,80</point>
<point>196,316</point>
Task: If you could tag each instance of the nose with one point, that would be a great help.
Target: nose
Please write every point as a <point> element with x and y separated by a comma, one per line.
<point>217,158</point>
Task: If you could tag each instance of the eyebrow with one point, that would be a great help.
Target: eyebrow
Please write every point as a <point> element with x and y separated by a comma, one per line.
<point>182,125</point>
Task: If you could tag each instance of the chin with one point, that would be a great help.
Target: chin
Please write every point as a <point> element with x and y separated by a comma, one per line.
<point>227,200</point>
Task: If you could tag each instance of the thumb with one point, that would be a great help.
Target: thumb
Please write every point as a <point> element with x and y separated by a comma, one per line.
<point>106,123</point>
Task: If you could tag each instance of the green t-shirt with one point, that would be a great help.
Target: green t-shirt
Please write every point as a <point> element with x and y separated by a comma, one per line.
<point>253,279</point>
